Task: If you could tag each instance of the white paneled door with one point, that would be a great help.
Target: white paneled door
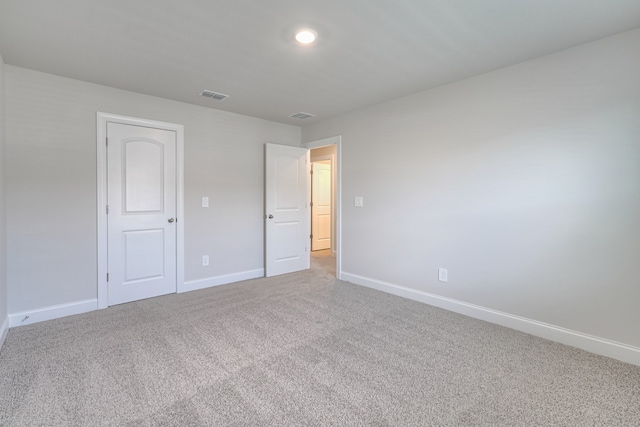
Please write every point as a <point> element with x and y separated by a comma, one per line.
<point>287,218</point>
<point>141,220</point>
<point>321,205</point>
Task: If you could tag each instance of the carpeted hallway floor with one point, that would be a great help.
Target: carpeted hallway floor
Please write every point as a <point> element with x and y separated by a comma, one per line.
<point>301,349</point>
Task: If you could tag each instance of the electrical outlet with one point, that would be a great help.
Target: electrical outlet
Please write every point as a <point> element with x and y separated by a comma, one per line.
<point>205,260</point>
<point>358,201</point>
<point>443,274</point>
<point>205,202</point>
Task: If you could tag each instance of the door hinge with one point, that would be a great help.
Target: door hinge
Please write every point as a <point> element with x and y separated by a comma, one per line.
<point>106,141</point>
<point>107,277</point>
<point>107,209</point>
<point>311,204</point>
<point>311,171</point>
<point>311,236</point>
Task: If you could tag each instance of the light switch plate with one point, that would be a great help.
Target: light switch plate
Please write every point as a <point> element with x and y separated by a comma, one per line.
<point>205,202</point>
<point>205,260</point>
<point>359,201</point>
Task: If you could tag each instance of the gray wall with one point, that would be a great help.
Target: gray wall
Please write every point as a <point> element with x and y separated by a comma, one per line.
<point>51,184</point>
<point>523,182</point>
<point>3,237</point>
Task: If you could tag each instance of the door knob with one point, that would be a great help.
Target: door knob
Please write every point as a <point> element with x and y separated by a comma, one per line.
<point>171,220</point>
<point>270,216</point>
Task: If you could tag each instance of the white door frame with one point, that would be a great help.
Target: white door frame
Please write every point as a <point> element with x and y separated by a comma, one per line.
<point>337,141</point>
<point>102,119</point>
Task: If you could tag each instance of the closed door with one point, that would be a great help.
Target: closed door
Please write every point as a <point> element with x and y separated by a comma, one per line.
<point>287,217</point>
<point>141,218</point>
<point>321,205</point>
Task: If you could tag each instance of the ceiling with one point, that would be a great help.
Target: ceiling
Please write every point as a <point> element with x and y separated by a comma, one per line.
<point>367,51</point>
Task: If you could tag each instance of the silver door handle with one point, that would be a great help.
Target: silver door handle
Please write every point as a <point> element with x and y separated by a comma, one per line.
<point>170,220</point>
<point>270,216</point>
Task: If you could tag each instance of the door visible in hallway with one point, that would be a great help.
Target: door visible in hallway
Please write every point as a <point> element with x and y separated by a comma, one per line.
<point>141,220</point>
<point>321,205</point>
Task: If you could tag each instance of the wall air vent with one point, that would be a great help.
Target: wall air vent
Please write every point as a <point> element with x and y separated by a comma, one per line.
<point>215,95</point>
<point>301,116</point>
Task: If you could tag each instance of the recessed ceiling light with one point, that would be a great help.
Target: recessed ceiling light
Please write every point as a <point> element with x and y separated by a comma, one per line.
<point>306,36</point>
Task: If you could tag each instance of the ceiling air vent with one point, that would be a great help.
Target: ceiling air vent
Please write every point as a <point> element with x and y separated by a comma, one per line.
<point>215,95</point>
<point>301,115</point>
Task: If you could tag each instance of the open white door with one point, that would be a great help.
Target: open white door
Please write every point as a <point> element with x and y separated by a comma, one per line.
<point>287,218</point>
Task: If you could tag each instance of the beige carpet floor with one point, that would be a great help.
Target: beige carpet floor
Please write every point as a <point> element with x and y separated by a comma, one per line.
<point>301,349</point>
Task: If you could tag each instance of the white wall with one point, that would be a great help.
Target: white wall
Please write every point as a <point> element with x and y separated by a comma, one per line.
<point>51,184</point>
<point>523,182</point>
<point>3,237</point>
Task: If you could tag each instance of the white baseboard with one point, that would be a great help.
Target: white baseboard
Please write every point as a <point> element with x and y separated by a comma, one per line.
<point>4,329</point>
<point>57,311</point>
<point>52,312</point>
<point>194,285</point>
<point>593,344</point>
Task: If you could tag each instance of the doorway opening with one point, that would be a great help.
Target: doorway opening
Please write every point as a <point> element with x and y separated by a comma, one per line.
<point>140,231</point>
<point>325,205</point>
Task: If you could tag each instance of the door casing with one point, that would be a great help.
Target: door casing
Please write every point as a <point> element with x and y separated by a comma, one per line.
<point>102,262</point>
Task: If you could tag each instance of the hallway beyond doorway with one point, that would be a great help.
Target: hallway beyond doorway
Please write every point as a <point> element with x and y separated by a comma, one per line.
<point>323,261</point>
